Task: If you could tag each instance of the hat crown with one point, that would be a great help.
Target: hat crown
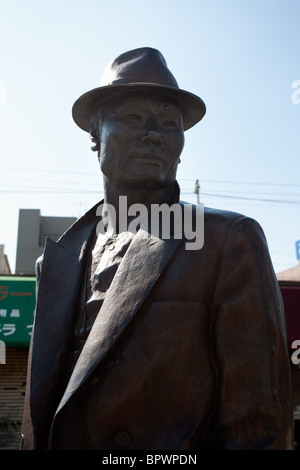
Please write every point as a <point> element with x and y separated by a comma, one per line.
<point>142,69</point>
<point>143,65</point>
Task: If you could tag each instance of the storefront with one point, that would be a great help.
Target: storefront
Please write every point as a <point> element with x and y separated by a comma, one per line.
<point>17,303</point>
<point>290,291</point>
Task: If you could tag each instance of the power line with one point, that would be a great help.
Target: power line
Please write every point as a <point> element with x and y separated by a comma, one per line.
<point>50,191</point>
<point>244,182</point>
<point>181,179</point>
<point>84,191</point>
<point>50,171</point>
<point>281,201</point>
<point>98,184</point>
<point>224,194</point>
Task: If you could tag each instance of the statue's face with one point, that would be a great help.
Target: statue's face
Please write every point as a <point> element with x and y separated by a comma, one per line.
<point>141,139</point>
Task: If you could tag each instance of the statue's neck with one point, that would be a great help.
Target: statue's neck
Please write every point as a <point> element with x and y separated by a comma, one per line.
<point>168,194</point>
<point>118,201</point>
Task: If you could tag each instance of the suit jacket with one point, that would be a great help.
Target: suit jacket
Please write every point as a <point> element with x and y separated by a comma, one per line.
<point>188,351</point>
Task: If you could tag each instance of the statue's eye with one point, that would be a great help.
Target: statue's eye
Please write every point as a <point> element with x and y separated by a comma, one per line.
<point>133,117</point>
<point>171,123</point>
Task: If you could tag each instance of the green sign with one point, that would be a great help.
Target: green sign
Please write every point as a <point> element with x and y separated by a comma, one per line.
<point>17,304</point>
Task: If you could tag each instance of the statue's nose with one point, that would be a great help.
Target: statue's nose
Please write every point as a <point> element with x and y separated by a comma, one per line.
<point>152,137</point>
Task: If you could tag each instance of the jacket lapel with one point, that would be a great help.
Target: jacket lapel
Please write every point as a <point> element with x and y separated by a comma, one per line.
<point>58,291</point>
<point>139,270</point>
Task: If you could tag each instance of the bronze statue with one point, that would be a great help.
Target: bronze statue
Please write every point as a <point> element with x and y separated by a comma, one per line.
<point>140,341</point>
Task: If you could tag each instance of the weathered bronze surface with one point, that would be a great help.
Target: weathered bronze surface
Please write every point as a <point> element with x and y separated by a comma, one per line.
<point>139,343</point>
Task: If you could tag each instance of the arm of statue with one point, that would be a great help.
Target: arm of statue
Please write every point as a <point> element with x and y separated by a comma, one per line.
<point>254,405</point>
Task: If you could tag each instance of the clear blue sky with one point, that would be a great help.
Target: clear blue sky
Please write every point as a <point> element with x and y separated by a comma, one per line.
<point>240,56</point>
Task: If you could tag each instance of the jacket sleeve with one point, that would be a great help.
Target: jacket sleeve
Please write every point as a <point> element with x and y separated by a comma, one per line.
<point>254,403</point>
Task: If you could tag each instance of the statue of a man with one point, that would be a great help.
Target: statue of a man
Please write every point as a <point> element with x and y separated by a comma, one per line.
<point>141,341</point>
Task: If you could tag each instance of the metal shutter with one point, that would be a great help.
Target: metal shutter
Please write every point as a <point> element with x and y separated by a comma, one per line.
<point>12,394</point>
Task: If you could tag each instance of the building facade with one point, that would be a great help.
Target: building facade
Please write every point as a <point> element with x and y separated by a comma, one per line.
<point>32,232</point>
<point>17,304</point>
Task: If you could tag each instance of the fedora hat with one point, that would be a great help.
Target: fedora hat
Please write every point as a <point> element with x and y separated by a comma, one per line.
<point>140,69</point>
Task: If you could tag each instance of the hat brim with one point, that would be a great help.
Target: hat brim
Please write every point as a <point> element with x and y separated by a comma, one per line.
<point>193,108</point>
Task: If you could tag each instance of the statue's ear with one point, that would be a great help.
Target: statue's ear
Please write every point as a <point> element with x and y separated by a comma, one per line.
<point>94,134</point>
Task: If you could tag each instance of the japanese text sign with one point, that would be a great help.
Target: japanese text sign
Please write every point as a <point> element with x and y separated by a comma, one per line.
<point>17,304</point>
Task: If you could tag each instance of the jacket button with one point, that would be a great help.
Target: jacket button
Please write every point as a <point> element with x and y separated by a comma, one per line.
<point>122,439</point>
